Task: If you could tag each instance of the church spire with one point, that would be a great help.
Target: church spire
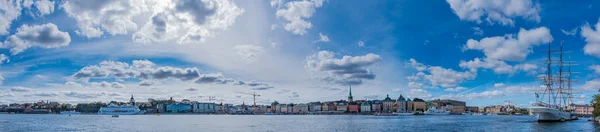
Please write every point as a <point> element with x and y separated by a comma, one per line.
<point>350,95</point>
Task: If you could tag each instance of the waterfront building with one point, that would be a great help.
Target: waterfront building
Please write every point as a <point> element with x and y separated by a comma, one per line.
<point>495,109</point>
<point>283,108</point>
<point>301,109</point>
<point>332,106</point>
<point>388,104</point>
<point>365,107</point>
<point>473,109</point>
<point>353,107</point>
<point>376,105</point>
<point>456,106</point>
<point>178,108</point>
<point>314,106</point>
<point>199,107</point>
<point>325,106</point>
<point>583,110</point>
<point>290,108</point>
<point>341,106</point>
<point>419,105</point>
<point>402,104</point>
<point>277,108</point>
<point>274,106</point>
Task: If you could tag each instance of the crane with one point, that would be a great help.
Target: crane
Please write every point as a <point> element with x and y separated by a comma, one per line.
<point>253,96</point>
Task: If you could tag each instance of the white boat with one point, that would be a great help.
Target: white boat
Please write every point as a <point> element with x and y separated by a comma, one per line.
<point>72,112</point>
<point>543,113</point>
<point>478,114</point>
<point>556,91</point>
<point>404,113</point>
<point>434,111</point>
<point>120,110</point>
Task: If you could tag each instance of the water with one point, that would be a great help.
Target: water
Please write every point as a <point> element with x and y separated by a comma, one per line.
<point>301,123</point>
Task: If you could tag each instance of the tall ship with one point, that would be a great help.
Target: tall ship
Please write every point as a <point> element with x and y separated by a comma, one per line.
<point>113,109</point>
<point>556,93</point>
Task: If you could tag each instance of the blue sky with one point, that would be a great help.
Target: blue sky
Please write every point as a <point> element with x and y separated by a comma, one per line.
<point>482,52</point>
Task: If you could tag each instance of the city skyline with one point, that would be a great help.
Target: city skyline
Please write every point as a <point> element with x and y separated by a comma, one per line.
<point>292,51</point>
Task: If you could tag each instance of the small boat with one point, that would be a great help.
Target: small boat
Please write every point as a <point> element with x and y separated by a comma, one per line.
<point>404,113</point>
<point>385,114</point>
<point>115,115</point>
<point>434,111</point>
<point>479,114</point>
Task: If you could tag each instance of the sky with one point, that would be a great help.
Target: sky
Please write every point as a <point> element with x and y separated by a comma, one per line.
<point>293,51</point>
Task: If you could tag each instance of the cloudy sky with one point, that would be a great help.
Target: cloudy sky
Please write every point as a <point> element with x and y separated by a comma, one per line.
<point>482,52</point>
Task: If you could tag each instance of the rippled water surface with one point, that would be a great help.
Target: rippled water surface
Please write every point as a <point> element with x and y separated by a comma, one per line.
<point>281,123</point>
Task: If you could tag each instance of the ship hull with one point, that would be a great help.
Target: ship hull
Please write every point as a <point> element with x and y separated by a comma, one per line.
<point>437,113</point>
<point>550,114</point>
<point>404,113</point>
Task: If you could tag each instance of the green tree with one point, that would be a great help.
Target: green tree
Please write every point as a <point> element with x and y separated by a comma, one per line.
<point>596,105</point>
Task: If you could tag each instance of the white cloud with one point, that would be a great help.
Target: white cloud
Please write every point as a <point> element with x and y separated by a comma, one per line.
<point>477,31</point>
<point>499,67</point>
<point>249,53</point>
<point>44,7</point>
<point>348,70</point>
<point>416,85</point>
<point>4,59</point>
<point>439,76</point>
<point>499,85</point>
<point>73,84</point>
<point>323,38</point>
<point>592,37</point>
<point>493,93</point>
<point>592,85</point>
<point>44,36</point>
<point>456,89</point>
<point>502,12</point>
<point>360,44</point>
<point>596,68</point>
<point>184,21</point>
<point>418,93</point>
<point>187,21</point>
<point>296,13</point>
<point>571,32</point>
<point>509,48</point>
<point>20,89</point>
<point>9,11</point>
<point>105,84</point>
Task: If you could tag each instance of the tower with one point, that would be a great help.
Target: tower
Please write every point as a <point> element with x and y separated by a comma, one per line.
<point>132,101</point>
<point>350,95</point>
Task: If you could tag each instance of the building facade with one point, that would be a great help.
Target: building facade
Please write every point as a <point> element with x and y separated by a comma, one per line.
<point>204,108</point>
<point>365,107</point>
<point>388,104</point>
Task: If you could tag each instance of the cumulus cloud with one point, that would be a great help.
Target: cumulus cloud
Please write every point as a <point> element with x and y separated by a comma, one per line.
<point>191,89</point>
<point>4,59</point>
<point>592,37</point>
<point>85,95</point>
<point>509,48</point>
<point>416,85</point>
<point>360,44</point>
<point>149,73</point>
<point>20,89</point>
<point>506,91</point>
<point>438,76</point>
<point>249,53</point>
<point>44,7</point>
<point>456,89</point>
<point>498,66</point>
<point>9,11</point>
<point>105,84</point>
<point>595,68</point>
<point>348,70</point>
<point>184,21</point>
<point>187,21</point>
<point>591,85</point>
<point>477,31</point>
<point>571,32</point>
<point>499,85</point>
<point>73,84</point>
<point>45,94</point>
<point>262,88</point>
<point>418,93</point>
<point>43,36</point>
<point>296,13</point>
<point>502,12</point>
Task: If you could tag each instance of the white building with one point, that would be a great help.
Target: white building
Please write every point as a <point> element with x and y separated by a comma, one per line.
<point>365,107</point>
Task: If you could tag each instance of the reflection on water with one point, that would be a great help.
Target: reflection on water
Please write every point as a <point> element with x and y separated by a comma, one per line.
<point>302,123</point>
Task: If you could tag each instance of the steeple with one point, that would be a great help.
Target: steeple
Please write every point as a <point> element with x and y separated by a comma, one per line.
<point>131,100</point>
<point>350,95</point>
